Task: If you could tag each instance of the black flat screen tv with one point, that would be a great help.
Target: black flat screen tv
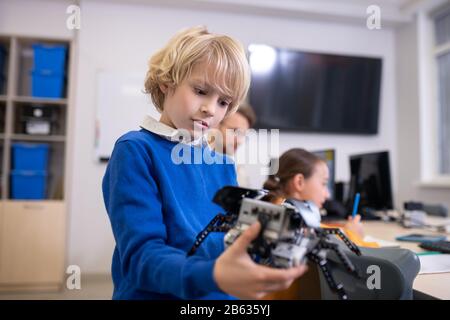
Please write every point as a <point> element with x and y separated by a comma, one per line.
<point>314,92</point>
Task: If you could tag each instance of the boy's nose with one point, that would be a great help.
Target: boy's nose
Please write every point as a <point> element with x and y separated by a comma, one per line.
<point>208,108</point>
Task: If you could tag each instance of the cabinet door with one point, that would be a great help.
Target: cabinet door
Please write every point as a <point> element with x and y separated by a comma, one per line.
<point>32,243</point>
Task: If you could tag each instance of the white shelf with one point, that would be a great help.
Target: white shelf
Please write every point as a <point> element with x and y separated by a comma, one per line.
<point>50,101</point>
<point>32,247</point>
<point>27,137</point>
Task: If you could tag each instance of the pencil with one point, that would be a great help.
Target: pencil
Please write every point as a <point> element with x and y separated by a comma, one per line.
<point>355,205</point>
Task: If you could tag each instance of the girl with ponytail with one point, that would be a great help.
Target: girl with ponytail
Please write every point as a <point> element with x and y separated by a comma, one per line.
<point>303,176</point>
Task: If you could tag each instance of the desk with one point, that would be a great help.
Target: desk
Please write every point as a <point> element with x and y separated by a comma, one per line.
<point>436,285</point>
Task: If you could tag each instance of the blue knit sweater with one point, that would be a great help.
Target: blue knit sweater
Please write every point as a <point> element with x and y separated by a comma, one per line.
<point>156,208</point>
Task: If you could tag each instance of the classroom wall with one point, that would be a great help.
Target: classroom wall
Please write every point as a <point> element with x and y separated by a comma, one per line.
<point>44,18</point>
<point>121,38</point>
<point>116,37</point>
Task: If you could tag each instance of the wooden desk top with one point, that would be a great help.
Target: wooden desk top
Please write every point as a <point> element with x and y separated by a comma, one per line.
<point>436,285</point>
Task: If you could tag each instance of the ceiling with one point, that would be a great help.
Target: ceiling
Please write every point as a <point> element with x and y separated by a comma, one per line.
<point>397,3</point>
<point>393,12</point>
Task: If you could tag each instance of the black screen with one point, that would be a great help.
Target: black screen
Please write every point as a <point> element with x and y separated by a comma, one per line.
<point>371,177</point>
<point>300,91</point>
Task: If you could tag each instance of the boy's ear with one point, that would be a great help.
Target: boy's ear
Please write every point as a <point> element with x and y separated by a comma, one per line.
<point>164,88</point>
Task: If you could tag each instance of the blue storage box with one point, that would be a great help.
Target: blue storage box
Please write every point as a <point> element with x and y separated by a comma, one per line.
<point>49,57</point>
<point>47,84</point>
<point>28,184</point>
<point>30,156</point>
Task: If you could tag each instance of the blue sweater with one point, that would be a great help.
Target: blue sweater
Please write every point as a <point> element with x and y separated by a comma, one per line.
<point>156,209</point>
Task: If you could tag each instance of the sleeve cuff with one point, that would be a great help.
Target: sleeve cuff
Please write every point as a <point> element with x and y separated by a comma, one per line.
<point>205,276</point>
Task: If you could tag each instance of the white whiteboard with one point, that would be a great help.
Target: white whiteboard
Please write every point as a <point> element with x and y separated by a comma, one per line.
<point>121,106</point>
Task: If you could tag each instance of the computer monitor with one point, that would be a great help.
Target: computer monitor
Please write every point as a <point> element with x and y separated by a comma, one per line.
<point>329,157</point>
<point>371,178</point>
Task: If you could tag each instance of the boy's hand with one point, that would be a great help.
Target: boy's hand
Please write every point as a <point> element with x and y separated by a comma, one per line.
<point>238,275</point>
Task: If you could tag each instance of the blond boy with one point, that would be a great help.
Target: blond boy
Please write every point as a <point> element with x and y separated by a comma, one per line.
<point>157,207</point>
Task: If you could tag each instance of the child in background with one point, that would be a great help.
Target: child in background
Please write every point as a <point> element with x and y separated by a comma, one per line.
<point>157,205</point>
<point>303,175</point>
<point>233,129</point>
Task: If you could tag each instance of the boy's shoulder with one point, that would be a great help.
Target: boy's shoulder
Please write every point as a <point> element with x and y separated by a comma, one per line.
<point>143,141</point>
<point>152,142</point>
<point>140,136</point>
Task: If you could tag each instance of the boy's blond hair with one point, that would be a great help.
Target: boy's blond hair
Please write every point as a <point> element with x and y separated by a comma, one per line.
<point>229,72</point>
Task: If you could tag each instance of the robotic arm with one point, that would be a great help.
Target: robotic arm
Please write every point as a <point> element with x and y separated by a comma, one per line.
<point>290,233</point>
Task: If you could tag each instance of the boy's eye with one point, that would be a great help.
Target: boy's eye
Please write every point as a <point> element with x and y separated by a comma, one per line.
<point>224,103</point>
<point>200,91</point>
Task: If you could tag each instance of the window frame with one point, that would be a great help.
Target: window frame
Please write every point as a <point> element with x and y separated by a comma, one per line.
<point>428,52</point>
<point>438,51</point>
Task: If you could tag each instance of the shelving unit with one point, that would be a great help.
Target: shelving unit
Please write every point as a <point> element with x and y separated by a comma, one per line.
<point>32,232</point>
